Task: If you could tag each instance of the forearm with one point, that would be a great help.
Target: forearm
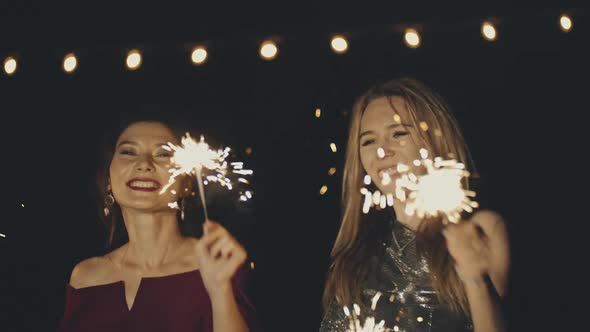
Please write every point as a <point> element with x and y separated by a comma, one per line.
<point>486,311</point>
<point>226,314</point>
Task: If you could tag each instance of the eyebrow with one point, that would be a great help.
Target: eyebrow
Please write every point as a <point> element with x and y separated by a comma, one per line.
<point>394,125</point>
<point>127,142</point>
<point>135,143</point>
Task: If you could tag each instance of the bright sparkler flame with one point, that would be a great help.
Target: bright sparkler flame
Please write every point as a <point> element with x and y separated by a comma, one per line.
<point>437,192</point>
<point>191,157</point>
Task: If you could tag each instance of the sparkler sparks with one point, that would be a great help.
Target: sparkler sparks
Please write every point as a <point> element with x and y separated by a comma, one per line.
<point>192,157</point>
<point>438,191</point>
<point>369,324</point>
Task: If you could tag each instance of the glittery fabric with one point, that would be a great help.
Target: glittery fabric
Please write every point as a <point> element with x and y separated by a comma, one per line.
<point>408,303</point>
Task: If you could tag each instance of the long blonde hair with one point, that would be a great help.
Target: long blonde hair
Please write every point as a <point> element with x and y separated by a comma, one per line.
<point>358,238</point>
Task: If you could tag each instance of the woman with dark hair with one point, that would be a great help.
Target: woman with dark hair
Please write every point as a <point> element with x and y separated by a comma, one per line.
<point>161,279</point>
<point>432,276</point>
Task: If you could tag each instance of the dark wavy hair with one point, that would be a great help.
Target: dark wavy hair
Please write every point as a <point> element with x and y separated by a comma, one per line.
<point>116,234</point>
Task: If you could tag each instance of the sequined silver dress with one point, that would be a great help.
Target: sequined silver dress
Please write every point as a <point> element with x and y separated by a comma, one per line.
<point>408,302</point>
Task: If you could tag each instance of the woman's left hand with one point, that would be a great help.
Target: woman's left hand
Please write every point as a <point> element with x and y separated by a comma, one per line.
<point>219,256</point>
<point>469,247</point>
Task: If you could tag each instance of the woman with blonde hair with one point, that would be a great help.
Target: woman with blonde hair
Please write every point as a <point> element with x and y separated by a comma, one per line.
<point>433,275</point>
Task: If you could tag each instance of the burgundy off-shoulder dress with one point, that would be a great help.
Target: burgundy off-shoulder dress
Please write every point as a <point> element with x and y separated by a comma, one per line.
<point>177,302</point>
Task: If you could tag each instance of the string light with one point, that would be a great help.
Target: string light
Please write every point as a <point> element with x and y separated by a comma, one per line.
<point>339,44</point>
<point>488,31</point>
<point>133,59</point>
<point>70,63</point>
<point>412,38</point>
<point>565,23</point>
<point>318,113</point>
<point>248,151</point>
<point>199,55</point>
<point>333,147</point>
<point>10,65</point>
<point>332,171</point>
<point>323,190</point>
<point>268,50</point>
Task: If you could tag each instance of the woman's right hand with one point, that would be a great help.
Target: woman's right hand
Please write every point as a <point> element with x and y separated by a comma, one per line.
<point>219,257</point>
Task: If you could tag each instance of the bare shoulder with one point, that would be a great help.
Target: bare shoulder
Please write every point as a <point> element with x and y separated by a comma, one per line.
<point>85,273</point>
<point>92,272</point>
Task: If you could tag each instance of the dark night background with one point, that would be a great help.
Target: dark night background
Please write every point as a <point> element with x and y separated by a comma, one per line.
<point>520,101</point>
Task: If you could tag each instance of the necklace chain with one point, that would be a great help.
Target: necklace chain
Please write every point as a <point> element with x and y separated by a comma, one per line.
<point>400,250</point>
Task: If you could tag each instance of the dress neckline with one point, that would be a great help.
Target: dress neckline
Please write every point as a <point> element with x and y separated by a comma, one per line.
<point>120,285</point>
<point>174,275</point>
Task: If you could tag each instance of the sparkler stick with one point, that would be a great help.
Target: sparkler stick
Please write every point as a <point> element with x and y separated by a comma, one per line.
<point>202,192</point>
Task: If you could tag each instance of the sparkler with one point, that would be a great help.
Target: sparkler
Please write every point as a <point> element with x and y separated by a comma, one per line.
<point>192,157</point>
<point>438,191</point>
<point>376,199</point>
<point>369,324</point>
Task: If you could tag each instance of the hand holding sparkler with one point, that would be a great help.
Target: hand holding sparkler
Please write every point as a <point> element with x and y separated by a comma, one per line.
<point>470,245</point>
<point>219,257</point>
<point>438,191</point>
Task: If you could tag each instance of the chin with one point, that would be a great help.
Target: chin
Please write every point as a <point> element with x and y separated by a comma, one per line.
<point>146,205</point>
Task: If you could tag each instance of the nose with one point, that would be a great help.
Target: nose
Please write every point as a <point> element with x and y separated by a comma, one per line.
<point>145,164</point>
<point>385,151</point>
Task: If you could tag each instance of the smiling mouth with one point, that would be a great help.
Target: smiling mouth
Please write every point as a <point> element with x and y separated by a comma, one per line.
<point>144,184</point>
